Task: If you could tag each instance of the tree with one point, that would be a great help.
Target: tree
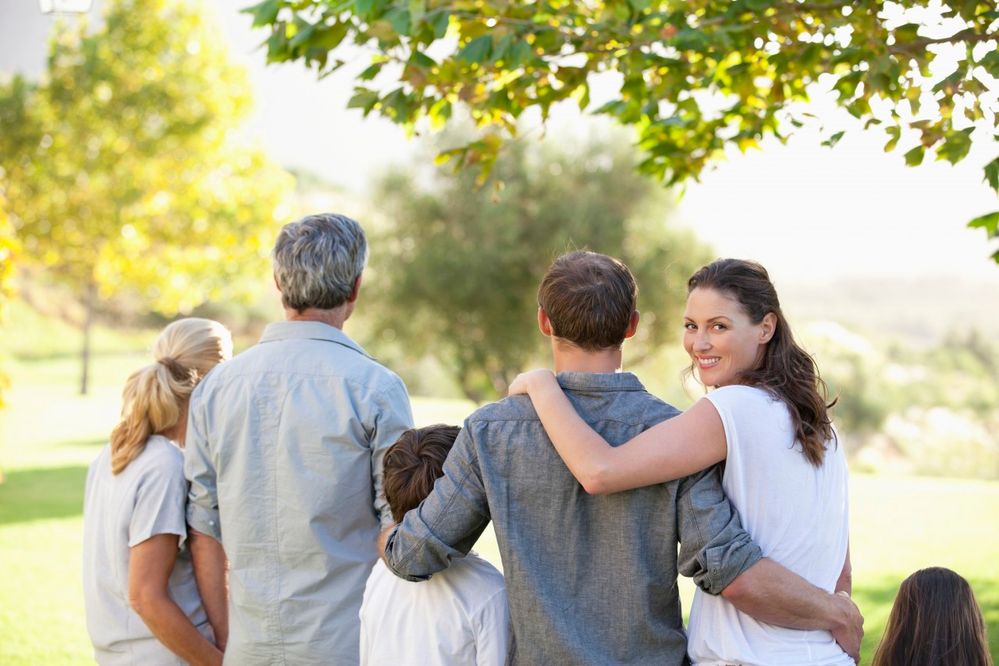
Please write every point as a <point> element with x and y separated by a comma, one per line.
<point>458,266</point>
<point>692,77</point>
<point>7,247</point>
<point>125,174</point>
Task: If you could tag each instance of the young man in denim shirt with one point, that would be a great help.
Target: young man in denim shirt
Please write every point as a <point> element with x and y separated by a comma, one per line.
<point>592,579</point>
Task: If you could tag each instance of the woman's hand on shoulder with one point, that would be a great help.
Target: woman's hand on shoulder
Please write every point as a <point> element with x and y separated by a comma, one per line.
<point>527,382</point>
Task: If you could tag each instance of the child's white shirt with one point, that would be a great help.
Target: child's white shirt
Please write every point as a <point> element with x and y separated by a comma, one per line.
<point>459,616</point>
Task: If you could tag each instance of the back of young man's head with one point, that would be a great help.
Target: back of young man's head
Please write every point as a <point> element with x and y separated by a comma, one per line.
<point>589,299</point>
<point>412,465</point>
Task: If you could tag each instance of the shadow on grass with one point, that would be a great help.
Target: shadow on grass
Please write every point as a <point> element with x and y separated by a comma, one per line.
<point>37,494</point>
<point>875,601</point>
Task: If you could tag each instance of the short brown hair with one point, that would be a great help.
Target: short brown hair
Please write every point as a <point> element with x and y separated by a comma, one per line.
<point>412,465</point>
<point>589,299</point>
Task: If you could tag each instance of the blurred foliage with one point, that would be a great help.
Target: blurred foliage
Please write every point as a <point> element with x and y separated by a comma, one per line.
<point>125,172</point>
<point>694,77</point>
<point>935,409</point>
<point>458,266</point>
<point>7,246</point>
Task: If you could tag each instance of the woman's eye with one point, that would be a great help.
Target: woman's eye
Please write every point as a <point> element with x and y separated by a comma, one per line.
<point>690,326</point>
<point>719,327</point>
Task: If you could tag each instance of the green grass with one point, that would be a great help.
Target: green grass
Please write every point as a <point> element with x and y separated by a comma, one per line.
<point>49,435</point>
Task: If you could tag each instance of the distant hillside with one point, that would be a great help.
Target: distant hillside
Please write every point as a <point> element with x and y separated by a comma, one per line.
<point>918,310</point>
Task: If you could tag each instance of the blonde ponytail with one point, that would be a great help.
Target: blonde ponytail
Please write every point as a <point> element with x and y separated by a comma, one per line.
<point>154,396</point>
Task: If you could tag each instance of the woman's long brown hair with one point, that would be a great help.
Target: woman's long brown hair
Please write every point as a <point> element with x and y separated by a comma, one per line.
<point>935,621</point>
<point>786,370</point>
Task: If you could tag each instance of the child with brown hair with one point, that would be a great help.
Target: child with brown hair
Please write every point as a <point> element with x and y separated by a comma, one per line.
<point>459,616</point>
<point>935,621</point>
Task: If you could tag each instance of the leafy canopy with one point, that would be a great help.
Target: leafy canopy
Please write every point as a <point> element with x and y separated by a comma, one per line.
<point>691,77</point>
<point>458,266</point>
<point>124,172</point>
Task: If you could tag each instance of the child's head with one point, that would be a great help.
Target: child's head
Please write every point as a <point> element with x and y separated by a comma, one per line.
<point>412,465</point>
<point>590,300</point>
<point>935,620</point>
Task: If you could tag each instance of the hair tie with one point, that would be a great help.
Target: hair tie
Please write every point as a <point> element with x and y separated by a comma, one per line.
<point>177,371</point>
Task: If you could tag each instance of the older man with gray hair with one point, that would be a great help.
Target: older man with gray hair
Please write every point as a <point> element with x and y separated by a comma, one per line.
<point>284,455</point>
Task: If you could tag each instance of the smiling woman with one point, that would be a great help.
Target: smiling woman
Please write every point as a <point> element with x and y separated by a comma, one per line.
<point>720,337</point>
<point>767,419</point>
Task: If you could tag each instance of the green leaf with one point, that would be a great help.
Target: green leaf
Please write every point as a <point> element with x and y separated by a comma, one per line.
<point>905,34</point>
<point>263,13</point>
<point>329,38</point>
<point>417,10</point>
<point>371,72</point>
<point>915,156</point>
<point>421,59</point>
<point>639,5</point>
<point>989,222</point>
<point>992,174</point>
<point>500,49</point>
<point>894,133</point>
<point>690,39</point>
<point>949,84</point>
<point>363,8</point>
<point>990,63</point>
<point>303,34</point>
<point>399,19</point>
<point>520,54</point>
<point>477,50</point>
<point>438,20</point>
<point>956,145</point>
<point>834,139</point>
<point>363,99</point>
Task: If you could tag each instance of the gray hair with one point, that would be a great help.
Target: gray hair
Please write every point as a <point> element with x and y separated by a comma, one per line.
<point>318,259</point>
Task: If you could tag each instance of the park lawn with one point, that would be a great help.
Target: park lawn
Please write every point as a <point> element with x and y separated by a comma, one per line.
<point>48,436</point>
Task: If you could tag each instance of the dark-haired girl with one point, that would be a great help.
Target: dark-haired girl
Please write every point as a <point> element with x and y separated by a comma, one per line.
<point>935,621</point>
<point>767,418</point>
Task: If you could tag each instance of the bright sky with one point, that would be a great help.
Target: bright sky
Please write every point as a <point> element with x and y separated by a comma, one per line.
<point>808,213</point>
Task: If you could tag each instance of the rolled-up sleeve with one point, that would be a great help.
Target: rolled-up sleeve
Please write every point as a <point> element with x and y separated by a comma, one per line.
<point>447,523</point>
<point>714,549</point>
<point>199,468</point>
<point>392,418</point>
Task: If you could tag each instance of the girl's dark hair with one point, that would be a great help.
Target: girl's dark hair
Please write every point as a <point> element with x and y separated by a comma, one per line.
<point>786,370</point>
<point>935,620</point>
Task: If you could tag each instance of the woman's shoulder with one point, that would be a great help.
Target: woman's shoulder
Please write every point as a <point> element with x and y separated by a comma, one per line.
<point>739,393</point>
<point>160,452</point>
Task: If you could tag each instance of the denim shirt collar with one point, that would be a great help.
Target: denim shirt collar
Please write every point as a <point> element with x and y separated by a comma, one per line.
<point>309,330</point>
<point>603,381</point>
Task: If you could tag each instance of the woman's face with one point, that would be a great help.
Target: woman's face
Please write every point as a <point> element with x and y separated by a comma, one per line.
<point>720,338</point>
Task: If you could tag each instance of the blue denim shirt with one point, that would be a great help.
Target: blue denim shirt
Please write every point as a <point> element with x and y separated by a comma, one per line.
<point>590,579</point>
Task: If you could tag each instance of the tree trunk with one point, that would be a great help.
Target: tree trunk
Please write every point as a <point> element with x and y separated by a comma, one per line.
<point>89,302</point>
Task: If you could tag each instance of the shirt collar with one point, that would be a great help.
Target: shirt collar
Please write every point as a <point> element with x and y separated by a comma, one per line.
<point>309,330</point>
<point>603,381</point>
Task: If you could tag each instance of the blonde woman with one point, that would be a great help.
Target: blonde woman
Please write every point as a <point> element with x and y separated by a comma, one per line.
<point>141,599</point>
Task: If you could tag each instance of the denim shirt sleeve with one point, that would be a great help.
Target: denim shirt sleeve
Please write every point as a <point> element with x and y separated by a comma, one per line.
<point>447,523</point>
<point>199,468</point>
<point>714,549</point>
<point>392,418</point>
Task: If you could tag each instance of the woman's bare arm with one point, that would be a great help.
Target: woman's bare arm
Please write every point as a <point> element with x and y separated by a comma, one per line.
<point>675,448</point>
<point>845,581</point>
<point>149,566</point>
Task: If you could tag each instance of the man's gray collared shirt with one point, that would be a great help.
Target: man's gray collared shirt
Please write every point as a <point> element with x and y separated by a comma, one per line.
<point>284,454</point>
<point>590,579</point>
